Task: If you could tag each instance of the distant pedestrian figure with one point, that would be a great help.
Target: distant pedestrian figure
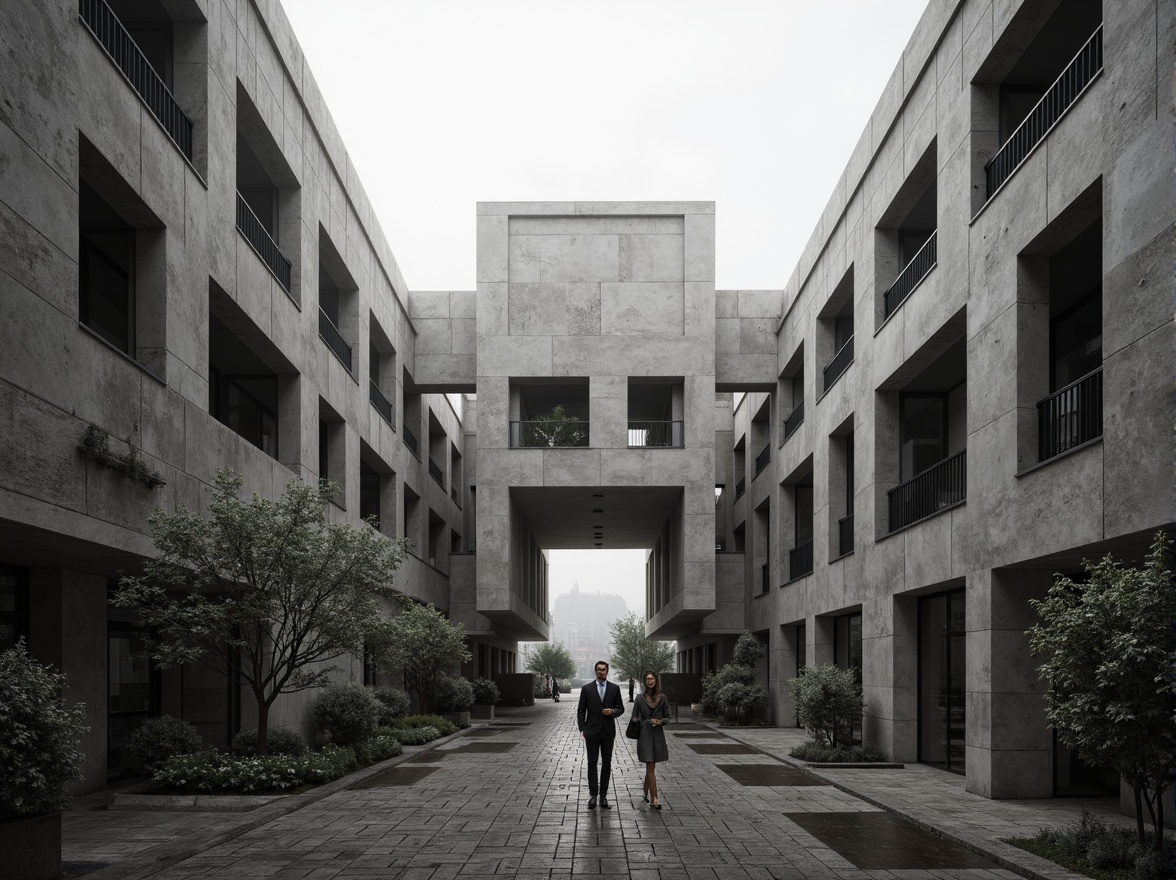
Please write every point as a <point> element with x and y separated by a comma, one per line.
<point>632,681</point>
<point>554,689</point>
<point>653,711</point>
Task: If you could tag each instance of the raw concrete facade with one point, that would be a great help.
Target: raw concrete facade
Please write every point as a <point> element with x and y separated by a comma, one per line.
<point>954,395</point>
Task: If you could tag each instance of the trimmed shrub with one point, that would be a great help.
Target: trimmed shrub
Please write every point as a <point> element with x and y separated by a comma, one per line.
<point>731,693</point>
<point>279,741</point>
<point>417,736</point>
<point>453,695</point>
<point>378,748</point>
<point>823,754</point>
<point>394,704</point>
<point>485,692</point>
<point>828,702</point>
<point>1094,847</point>
<point>39,736</point>
<point>159,739</point>
<point>348,713</point>
<point>748,651</point>
<point>217,772</point>
<point>443,726</point>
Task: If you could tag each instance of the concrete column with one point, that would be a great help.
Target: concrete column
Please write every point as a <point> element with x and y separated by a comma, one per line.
<point>786,659</point>
<point>1009,747</point>
<point>890,676</point>
<point>820,641</point>
<point>67,630</point>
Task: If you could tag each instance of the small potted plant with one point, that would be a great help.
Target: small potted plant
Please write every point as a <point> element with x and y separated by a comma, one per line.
<point>454,697</point>
<point>39,758</point>
<point>486,694</point>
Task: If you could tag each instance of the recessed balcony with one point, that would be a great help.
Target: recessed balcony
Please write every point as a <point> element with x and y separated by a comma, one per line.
<point>330,334</point>
<point>259,239</point>
<point>800,561</point>
<point>644,433</point>
<point>1070,416</point>
<point>911,276</point>
<point>548,434</point>
<point>939,487</point>
<point>839,364</point>
<point>382,404</point>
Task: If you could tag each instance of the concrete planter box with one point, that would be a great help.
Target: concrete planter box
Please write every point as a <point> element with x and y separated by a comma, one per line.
<point>461,719</point>
<point>482,711</point>
<point>31,847</point>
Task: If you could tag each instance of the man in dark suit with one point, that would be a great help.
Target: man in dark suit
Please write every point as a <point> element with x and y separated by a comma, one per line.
<point>600,705</point>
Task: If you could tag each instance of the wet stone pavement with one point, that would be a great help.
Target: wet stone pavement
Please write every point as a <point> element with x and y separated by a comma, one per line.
<point>510,799</point>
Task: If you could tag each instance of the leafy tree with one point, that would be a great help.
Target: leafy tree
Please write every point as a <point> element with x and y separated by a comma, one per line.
<point>551,660</point>
<point>633,653</point>
<point>266,590</point>
<point>555,428</point>
<point>424,645</point>
<point>748,651</point>
<point>828,703</point>
<point>1109,663</point>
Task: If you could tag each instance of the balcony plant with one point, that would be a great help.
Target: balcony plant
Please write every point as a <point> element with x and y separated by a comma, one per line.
<point>556,428</point>
<point>39,758</point>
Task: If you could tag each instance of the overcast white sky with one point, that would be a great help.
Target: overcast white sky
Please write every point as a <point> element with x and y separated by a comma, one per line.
<point>753,105</point>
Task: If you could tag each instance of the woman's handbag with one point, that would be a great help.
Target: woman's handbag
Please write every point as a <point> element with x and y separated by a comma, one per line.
<point>633,729</point>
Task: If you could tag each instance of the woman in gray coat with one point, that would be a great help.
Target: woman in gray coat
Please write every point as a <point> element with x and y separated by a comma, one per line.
<point>653,712</point>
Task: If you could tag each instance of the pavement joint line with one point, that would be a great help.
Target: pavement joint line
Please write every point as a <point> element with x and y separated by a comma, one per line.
<point>147,864</point>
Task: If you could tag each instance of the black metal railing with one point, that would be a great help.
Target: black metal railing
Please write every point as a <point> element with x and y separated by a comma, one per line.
<point>910,276</point>
<point>1070,416</point>
<point>840,361</point>
<point>334,339</point>
<point>740,487</point>
<point>647,433</point>
<point>1058,98</point>
<point>789,425</point>
<point>761,460</point>
<point>456,496</point>
<point>259,238</point>
<point>942,485</point>
<point>410,440</point>
<point>765,578</point>
<point>121,47</point>
<point>845,535</point>
<point>382,404</point>
<point>800,560</point>
<point>547,434</point>
<point>436,472</point>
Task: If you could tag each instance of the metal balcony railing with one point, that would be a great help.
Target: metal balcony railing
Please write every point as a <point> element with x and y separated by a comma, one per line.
<point>382,404</point>
<point>546,434</point>
<point>795,420</point>
<point>740,487</point>
<point>456,496</point>
<point>941,486</point>
<point>410,440</point>
<point>911,275</point>
<point>800,560</point>
<point>765,578</point>
<point>330,334</point>
<point>1058,98</point>
<point>436,472</point>
<point>761,460</point>
<point>840,362</point>
<point>1070,416</point>
<point>127,57</point>
<point>260,240</point>
<point>845,535</point>
<point>647,433</point>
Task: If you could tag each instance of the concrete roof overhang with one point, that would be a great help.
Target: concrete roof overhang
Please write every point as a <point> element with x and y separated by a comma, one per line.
<point>570,517</point>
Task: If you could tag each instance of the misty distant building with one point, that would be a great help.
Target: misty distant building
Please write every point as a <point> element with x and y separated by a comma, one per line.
<point>581,622</point>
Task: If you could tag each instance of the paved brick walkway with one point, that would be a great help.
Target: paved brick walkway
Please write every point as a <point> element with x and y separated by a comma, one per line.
<point>510,800</point>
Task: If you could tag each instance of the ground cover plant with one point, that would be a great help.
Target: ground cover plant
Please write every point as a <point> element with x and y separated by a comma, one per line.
<point>821,753</point>
<point>1105,852</point>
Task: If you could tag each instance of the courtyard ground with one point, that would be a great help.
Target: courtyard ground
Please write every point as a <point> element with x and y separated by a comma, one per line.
<point>509,799</point>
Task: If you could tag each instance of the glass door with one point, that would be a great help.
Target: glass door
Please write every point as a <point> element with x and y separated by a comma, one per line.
<point>942,665</point>
<point>132,695</point>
